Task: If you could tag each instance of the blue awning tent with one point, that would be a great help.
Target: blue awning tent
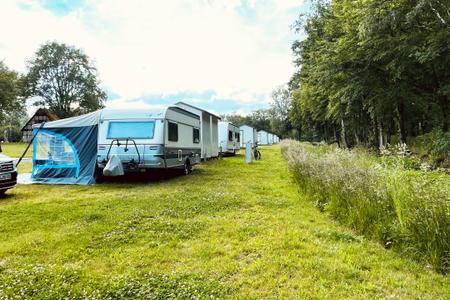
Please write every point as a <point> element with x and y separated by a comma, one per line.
<point>65,151</point>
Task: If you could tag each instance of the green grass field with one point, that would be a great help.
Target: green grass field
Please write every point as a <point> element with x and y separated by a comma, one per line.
<point>229,230</point>
<point>16,150</point>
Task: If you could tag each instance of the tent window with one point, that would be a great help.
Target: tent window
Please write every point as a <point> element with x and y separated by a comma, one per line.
<point>173,132</point>
<point>196,136</point>
<point>133,130</point>
<point>54,151</point>
<point>237,136</point>
<point>230,135</point>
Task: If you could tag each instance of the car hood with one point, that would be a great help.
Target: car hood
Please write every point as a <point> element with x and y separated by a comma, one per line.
<point>5,158</point>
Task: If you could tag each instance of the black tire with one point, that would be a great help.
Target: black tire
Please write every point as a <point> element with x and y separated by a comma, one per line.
<point>187,169</point>
<point>257,155</point>
<point>2,193</point>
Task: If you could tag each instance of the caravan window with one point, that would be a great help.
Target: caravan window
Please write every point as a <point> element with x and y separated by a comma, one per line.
<point>173,132</point>
<point>133,130</point>
<point>237,136</point>
<point>196,136</point>
<point>230,135</point>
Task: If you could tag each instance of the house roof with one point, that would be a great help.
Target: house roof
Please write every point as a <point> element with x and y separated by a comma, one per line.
<point>41,112</point>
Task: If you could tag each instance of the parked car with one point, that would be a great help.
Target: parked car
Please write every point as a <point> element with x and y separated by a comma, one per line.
<point>8,174</point>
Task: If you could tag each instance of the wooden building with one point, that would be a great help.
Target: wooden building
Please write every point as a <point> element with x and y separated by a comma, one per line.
<point>41,115</point>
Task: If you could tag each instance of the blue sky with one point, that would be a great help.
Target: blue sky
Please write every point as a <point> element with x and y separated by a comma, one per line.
<point>223,55</point>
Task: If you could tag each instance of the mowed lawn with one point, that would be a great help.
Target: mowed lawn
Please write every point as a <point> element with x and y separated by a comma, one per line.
<point>229,230</point>
<point>15,150</point>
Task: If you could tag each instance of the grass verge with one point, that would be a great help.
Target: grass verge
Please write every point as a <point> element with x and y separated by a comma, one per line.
<point>15,150</point>
<point>404,209</point>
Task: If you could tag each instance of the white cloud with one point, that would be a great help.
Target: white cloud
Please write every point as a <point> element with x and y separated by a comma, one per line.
<point>289,3</point>
<point>163,47</point>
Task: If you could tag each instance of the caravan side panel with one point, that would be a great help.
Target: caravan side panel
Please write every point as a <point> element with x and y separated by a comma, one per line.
<point>206,136</point>
<point>182,139</point>
<point>214,136</point>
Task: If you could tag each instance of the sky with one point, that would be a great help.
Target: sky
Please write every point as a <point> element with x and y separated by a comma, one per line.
<point>226,56</point>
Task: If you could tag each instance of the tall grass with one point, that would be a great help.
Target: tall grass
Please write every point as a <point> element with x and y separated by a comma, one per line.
<point>405,210</point>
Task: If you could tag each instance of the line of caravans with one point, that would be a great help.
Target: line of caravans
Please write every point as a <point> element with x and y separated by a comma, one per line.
<point>73,150</point>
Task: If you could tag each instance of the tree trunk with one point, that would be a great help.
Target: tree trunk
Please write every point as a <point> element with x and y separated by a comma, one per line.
<point>445,107</point>
<point>380,136</point>
<point>357,139</point>
<point>343,136</point>
<point>401,121</point>
<point>336,136</point>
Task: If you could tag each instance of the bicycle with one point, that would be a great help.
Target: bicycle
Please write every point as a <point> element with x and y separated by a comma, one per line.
<point>256,152</point>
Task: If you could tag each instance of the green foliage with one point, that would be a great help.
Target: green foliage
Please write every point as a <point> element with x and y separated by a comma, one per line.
<point>274,119</point>
<point>369,70</point>
<point>65,80</point>
<point>404,209</point>
<point>434,146</point>
<point>439,149</point>
<point>12,110</point>
<point>259,119</point>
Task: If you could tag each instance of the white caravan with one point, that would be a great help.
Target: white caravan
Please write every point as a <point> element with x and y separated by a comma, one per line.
<point>270,138</point>
<point>229,138</point>
<point>209,141</point>
<point>248,135</point>
<point>263,137</point>
<point>145,139</point>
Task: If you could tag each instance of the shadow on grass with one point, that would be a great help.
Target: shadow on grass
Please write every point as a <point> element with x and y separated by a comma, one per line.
<point>11,196</point>
<point>152,176</point>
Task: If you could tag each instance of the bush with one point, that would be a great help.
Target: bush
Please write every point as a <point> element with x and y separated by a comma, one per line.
<point>406,210</point>
<point>435,146</point>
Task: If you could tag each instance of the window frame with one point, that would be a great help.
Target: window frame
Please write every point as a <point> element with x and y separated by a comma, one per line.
<point>149,137</point>
<point>230,135</point>
<point>194,131</point>
<point>169,123</point>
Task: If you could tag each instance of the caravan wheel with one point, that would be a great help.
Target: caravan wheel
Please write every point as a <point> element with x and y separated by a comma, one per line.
<point>187,167</point>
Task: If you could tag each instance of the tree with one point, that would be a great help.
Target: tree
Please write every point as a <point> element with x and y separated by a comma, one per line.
<point>280,111</point>
<point>259,119</point>
<point>65,80</point>
<point>11,104</point>
<point>12,124</point>
<point>371,71</point>
<point>236,119</point>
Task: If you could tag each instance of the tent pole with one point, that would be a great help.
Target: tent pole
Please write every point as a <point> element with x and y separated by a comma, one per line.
<point>29,144</point>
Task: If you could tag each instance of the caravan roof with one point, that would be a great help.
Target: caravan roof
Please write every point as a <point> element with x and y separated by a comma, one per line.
<point>198,108</point>
<point>93,118</point>
<point>248,126</point>
<point>144,113</point>
<point>89,119</point>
